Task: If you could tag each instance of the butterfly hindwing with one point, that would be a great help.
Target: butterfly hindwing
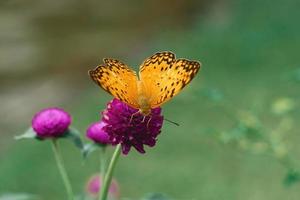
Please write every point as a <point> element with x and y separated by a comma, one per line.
<point>117,79</point>
<point>163,76</point>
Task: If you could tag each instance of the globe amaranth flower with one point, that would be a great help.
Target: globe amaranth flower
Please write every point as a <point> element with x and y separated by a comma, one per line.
<point>94,184</point>
<point>96,133</point>
<point>128,127</point>
<point>51,122</point>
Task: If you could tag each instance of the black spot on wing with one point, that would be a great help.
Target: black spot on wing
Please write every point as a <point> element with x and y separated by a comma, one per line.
<point>172,92</point>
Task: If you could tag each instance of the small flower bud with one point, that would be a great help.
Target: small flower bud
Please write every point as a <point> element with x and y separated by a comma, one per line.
<point>51,122</point>
<point>94,185</point>
<point>96,133</point>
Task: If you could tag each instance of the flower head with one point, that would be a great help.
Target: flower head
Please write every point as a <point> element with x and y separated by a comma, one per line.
<point>128,127</point>
<point>94,184</point>
<point>51,122</point>
<point>96,133</point>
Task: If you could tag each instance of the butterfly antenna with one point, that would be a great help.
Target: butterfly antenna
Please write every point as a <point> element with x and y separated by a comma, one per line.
<point>171,122</point>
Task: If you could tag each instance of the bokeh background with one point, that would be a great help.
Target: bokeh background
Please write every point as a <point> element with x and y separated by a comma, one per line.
<point>239,118</point>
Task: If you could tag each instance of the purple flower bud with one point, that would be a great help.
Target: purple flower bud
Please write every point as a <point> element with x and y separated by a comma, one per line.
<point>51,122</point>
<point>96,133</point>
<point>94,184</point>
<point>128,127</point>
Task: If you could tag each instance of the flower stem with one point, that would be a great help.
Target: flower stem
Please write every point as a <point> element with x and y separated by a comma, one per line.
<point>102,167</point>
<point>62,169</point>
<point>109,173</point>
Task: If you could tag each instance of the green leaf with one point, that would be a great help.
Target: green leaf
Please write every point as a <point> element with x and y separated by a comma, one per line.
<point>74,135</point>
<point>17,196</point>
<point>156,196</point>
<point>29,134</point>
<point>88,149</point>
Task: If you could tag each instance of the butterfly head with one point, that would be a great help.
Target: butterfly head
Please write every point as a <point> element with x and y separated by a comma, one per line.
<point>145,112</point>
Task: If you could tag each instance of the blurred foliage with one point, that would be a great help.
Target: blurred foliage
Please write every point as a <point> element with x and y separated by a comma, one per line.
<point>292,177</point>
<point>252,134</point>
<point>293,76</point>
<point>156,196</point>
<point>212,94</point>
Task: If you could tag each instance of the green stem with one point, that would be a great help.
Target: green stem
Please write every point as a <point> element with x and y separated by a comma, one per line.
<point>108,176</point>
<point>62,169</point>
<point>102,167</point>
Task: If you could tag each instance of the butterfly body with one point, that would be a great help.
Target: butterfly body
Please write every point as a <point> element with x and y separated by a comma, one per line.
<point>143,100</point>
<point>161,77</point>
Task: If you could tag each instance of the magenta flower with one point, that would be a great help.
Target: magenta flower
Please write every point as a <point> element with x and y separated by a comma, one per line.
<point>94,184</point>
<point>96,133</point>
<point>129,128</point>
<point>51,122</point>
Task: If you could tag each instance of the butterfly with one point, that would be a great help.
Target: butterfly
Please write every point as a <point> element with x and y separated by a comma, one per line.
<point>161,77</point>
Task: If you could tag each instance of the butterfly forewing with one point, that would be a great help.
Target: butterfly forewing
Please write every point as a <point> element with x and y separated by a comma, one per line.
<point>117,79</point>
<point>163,76</point>
<point>152,69</point>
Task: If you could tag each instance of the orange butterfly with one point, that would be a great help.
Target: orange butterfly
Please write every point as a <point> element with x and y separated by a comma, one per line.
<point>161,77</point>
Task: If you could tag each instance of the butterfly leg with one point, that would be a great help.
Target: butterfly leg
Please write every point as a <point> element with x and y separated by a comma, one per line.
<point>149,122</point>
<point>144,117</point>
<point>131,118</point>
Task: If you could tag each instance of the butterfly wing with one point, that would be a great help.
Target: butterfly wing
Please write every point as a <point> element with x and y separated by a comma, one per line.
<point>117,79</point>
<point>163,76</point>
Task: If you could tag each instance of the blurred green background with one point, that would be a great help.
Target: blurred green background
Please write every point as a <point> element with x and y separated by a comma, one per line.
<point>239,118</point>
